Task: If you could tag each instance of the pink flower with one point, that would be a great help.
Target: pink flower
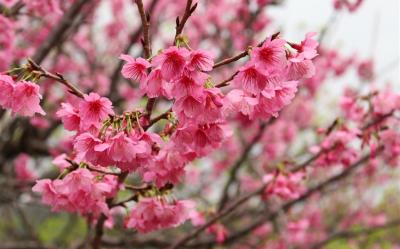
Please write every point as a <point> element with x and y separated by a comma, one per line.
<point>6,91</point>
<point>22,170</point>
<point>80,191</point>
<point>26,99</point>
<point>41,7</point>
<point>88,147</point>
<point>391,140</point>
<point>172,61</point>
<point>219,231</point>
<point>152,214</point>
<point>200,138</point>
<point>251,78</point>
<point>124,149</point>
<point>168,167</point>
<point>286,186</point>
<point>134,68</point>
<point>200,60</point>
<point>271,55</point>
<point>155,86</point>
<point>299,69</point>
<point>300,64</point>
<point>94,109</point>
<point>272,101</point>
<point>61,162</point>
<point>385,102</point>
<point>69,116</point>
<point>237,100</point>
<point>188,107</point>
<point>190,84</point>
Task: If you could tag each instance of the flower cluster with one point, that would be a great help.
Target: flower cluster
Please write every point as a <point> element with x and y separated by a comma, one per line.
<point>80,191</point>
<point>21,97</point>
<point>269,81</point>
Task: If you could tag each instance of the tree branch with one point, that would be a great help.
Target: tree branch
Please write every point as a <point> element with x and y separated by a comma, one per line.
<point>57,33</point>
<point>57,77</point>
<point>355,233</point>
<point>180,24</point>
<point>236,166</point>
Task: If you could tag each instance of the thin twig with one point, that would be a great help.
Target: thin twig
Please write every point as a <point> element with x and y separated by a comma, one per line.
<point>356,233</point>
<point>180,24</point>
<point>57,77</point>
<point>145,17</point>
<point>284,208</point>
<point>99,228</point>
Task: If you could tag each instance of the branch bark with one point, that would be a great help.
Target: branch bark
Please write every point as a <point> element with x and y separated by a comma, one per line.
<point>57,33</point>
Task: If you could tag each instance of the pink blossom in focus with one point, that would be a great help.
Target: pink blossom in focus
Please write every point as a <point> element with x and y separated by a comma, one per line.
<point>134,68</point>
<point>171,62</point>
<point>94,109</point>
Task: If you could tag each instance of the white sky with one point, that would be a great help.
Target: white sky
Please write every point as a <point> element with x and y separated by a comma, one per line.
<point>352,32</point>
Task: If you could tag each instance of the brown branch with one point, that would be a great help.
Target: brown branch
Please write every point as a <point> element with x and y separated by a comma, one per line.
<point>180,24</point>
<point>217,217</point>
<point>57,77</point>
<point>145,17</point>
<point>236,166</point>
<point>57,33</point>
<point>158,118</point>
<point>235,58</point>
<point>231,59</point>
<point>346,234</point>
<point>103,171</point>
<point>285,207</point>
<point>99,228</point>
<point>13,10</point>
<point>288,205</point>
<point>226,82</point>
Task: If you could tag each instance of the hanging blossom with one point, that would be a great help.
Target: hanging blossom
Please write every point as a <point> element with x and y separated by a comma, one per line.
<point>153,214</point>
<point>80,191</point>
<point>22,97</point>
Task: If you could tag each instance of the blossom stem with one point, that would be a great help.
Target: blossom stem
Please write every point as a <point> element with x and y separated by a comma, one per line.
<point>180,24</point>
<point>57,77</point>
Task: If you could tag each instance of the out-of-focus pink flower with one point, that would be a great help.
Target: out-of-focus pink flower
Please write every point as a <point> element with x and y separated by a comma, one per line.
<point>22,170</point>
<point>152,214</point>
<point>286,186</point>
<point>219,231</point>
